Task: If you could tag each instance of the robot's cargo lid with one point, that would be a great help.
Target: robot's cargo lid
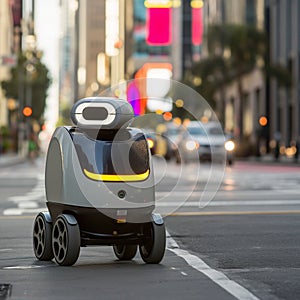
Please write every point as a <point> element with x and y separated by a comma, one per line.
<point>101,112</point>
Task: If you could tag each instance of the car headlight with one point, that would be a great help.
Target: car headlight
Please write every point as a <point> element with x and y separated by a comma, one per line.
<point>191,145</point>
<point>229,146</point>
<point>150,143</point>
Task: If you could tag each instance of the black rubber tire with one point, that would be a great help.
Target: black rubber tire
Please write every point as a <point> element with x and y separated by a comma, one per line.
<point>125,252</point>
<point>152,251</point>
<point>65,241</point>
<point>42,235</point>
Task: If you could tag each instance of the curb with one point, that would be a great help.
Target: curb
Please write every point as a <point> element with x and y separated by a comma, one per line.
<point>269,160</point>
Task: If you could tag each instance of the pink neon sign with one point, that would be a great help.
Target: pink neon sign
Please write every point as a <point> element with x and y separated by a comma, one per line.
<point>158,26</point>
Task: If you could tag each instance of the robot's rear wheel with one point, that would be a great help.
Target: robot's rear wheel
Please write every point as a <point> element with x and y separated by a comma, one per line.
<point>42,230</point>
<point>65,240</point>
<point>153,250</point>
<point>125,252</point>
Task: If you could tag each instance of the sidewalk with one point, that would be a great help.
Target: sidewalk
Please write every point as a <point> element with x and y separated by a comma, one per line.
<point>270,159</point>
<point>10,159</point>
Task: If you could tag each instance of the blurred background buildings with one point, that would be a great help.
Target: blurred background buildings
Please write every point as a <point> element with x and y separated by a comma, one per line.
<point>103,43</point>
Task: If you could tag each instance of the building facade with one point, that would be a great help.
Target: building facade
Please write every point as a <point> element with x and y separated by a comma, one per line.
<point>109,42</point>
<point>283,25</point>
<point>239,116</point>
<point>67,53</point>
<point>103,44</point>
<point>264,95</point>
<point>6,51</point>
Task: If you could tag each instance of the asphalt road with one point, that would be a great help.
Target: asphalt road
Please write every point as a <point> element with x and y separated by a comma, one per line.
<point>260,252</point>
<point>235,235</point>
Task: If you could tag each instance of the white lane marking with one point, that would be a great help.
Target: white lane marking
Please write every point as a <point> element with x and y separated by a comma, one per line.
<point>6,250</point>
<point>21,211</point>
<point>227,203</point>
<point>27,203</point>
<point>222,193</point>
<point>184,274</point>
<point>19,199</point>
<point>23,267</point>
<point>10,175</point>
<point>218,277</point>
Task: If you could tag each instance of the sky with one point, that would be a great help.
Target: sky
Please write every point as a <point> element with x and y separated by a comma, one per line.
<point>47,24</point>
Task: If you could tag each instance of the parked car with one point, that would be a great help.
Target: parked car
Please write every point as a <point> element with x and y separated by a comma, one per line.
<point>151,139</point>
<point>205,141</point>
<point>163,142</point>
<point>172,137</point>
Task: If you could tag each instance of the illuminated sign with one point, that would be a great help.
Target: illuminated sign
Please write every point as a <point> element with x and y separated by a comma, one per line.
<point>159,22</point>
<point>158,3</point>
<point>151,85</point>
<point>111,27</point>
<point>197,22</point>
<point>133,97</point>
<point>161,104</point>
<point>158,82</point>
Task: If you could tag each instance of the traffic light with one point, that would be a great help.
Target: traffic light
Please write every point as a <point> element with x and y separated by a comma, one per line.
<point>27,111</point>
<point>263,121</point>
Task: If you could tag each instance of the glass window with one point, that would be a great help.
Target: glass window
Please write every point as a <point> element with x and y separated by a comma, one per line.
<point>196,131</point>
<point>215,131</point>
<point>122,152</point>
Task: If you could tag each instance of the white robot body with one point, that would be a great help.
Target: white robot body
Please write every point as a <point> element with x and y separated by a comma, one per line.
<point>99,187</point>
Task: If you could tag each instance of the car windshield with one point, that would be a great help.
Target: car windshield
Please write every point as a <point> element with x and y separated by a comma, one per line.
<point>172,131</point>
<point>196,131</point>
<point>215,131</point>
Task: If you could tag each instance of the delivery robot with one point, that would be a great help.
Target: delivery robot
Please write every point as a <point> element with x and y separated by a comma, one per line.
<point>99,188</point>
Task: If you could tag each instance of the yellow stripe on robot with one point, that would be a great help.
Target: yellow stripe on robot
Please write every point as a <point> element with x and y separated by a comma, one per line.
<point>107,177</point>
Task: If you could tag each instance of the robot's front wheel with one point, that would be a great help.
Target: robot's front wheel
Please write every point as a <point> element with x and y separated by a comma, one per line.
<point>42,230</point>
<point>125,252</point>
<point>153,250</point>
<point>66,240</point>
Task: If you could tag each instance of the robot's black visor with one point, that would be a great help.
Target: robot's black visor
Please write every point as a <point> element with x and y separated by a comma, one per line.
<point>113,155</point>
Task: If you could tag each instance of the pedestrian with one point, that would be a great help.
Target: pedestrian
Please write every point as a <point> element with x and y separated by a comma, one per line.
<point>296,157</point>
<point>32,147</point>
<point>277,137</point>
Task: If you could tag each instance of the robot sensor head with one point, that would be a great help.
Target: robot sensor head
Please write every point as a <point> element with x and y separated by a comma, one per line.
<point>101,112</point>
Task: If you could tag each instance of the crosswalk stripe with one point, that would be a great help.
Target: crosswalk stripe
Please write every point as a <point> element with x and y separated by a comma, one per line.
<point>228,203</point>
